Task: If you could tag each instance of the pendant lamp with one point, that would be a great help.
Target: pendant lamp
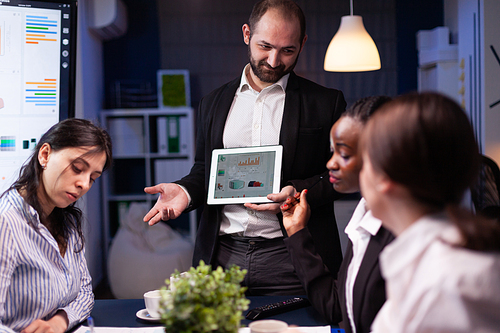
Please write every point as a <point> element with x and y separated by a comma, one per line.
<point>352,49</point>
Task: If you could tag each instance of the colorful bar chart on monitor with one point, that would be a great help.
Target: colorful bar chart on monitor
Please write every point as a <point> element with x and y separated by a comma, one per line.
<point>37,63</point>
<point>42,46</point>
<point>40,29</point>
<point>43,93</point>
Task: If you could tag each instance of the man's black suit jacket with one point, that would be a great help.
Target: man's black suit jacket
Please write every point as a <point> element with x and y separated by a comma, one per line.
<point>326,294</point>
<point>310,111</point>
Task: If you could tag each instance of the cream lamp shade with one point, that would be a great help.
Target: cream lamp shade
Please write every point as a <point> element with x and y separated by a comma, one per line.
<point>352,49</point>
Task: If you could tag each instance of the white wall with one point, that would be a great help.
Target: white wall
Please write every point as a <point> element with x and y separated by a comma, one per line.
<point>478,30</point>
<point>89,102</point>
<point>491,79</point>
<point>451,19</point>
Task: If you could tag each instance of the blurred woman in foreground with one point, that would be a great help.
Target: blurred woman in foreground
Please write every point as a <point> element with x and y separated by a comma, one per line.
<point>442,271</point>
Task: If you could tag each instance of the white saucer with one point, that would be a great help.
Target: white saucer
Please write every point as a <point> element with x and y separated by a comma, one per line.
<point>144,315</point>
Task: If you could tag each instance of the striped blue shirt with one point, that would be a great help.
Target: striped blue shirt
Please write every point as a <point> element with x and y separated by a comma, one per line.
<point>35,280</point>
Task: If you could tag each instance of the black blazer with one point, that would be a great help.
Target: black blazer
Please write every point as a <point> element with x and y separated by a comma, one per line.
<point>310,111</point>
<point>326,294</point>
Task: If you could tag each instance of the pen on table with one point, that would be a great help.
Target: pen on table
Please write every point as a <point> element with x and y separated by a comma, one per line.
<point>90,321</point>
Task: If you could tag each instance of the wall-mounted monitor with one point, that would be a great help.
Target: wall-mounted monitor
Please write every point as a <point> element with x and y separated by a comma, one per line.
<point>37,75</point>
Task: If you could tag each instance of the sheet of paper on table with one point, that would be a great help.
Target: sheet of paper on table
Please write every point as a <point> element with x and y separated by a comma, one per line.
<point>160,329</point>
<point>154,329</point>
<point>298,329</point>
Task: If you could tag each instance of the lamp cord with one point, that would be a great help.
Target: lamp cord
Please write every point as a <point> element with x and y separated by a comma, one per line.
<point>351,8</point>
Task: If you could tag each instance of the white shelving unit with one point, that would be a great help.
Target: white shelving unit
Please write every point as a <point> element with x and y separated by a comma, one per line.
<point>150,146</point>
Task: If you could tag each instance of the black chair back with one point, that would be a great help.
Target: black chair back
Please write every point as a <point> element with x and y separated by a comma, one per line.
<point>486,193</point>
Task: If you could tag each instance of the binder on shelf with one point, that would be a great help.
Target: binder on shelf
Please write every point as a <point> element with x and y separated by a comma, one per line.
<point>173,135</point>
<point>185,136</point>
<point>161,131</point>
<point>127,135</point>
<point>170,170</point>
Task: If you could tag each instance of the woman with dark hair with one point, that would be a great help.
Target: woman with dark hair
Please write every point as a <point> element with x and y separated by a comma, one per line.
<point>442,271</point>
<point>44,281</point>
<point>359,291</point>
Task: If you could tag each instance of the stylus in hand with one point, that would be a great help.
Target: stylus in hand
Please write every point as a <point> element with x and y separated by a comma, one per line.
<point>320,177</point>
<point>297,195</point>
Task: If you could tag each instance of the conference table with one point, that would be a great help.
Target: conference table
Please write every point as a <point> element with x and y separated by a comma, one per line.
<point>122,313</point>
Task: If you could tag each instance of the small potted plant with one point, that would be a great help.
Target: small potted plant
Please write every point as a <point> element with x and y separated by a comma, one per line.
<point>204,300</point>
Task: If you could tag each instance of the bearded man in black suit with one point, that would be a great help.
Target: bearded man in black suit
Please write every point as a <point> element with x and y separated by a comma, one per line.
<point>268,105</point>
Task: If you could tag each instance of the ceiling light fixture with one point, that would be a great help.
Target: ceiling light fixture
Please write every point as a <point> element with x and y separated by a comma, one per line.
<point>352,49</point>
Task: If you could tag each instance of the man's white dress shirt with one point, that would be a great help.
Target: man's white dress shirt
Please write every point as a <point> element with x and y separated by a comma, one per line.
<point>254,120</point>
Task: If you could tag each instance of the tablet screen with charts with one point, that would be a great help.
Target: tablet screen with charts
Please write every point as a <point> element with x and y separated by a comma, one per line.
<point>240,175</point>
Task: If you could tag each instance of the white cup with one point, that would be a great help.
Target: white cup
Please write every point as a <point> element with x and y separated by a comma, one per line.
<point>268,326</point>
<point>173,280</point>
<point>152,301</point>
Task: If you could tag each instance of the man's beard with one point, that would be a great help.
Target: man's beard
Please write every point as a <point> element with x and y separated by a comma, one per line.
<point>266,73</point>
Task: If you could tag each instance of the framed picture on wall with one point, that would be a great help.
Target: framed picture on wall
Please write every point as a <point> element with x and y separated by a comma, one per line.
<point>173,88</point>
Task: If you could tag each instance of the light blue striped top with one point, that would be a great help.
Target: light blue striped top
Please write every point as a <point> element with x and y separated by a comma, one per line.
<point>35,280</point>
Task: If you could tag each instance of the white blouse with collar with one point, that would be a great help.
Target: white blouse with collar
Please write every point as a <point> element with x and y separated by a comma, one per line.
<point>433,286</point>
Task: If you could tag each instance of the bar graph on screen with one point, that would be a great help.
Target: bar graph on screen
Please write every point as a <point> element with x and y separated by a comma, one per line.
<point>41,29</point>
<point>43,93</point>
<point>42,33</point>
<point>37,75</point>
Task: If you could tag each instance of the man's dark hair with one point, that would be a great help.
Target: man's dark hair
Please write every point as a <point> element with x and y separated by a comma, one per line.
<point>288,8</point>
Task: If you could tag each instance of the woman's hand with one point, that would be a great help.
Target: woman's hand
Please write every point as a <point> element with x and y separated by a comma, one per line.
<point>57,324</point>
<point>296,212</point>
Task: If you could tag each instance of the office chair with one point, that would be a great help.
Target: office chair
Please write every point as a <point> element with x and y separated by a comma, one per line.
<point>486,192</point>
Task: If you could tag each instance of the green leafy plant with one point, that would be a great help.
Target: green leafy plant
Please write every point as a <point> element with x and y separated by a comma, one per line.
<point>204,300</point>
